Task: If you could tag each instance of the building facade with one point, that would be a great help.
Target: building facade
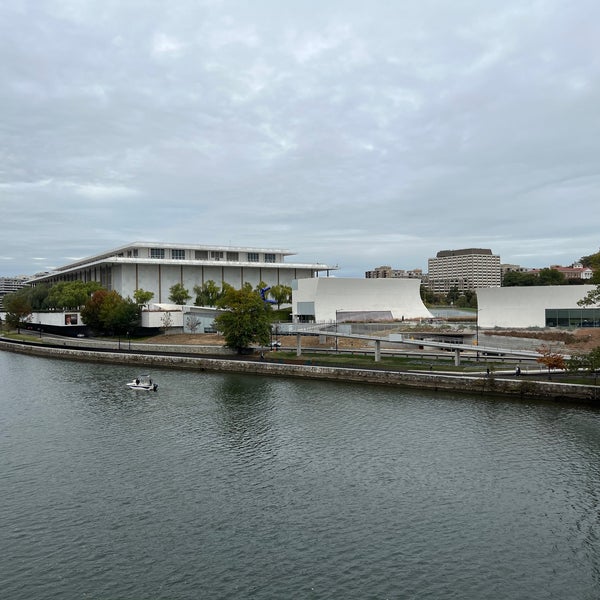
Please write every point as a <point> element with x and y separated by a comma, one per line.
<point>535,306</point>
<point>386,272</point>
<point>339,299</point>
<point>11,284</point>
<point>156,267</point>
<point>466,269</point>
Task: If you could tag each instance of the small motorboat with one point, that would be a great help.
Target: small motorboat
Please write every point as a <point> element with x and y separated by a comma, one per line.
<point>143,382</point>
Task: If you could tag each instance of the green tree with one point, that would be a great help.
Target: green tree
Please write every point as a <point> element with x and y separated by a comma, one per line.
<point>207,294</point>
<point>453,295</point>
<point>110,313</point>
<point>246,320</point>
<point>592,261</point>
<point>18,307</point>
<point>282,294</point>
<point>592,298</point>
<point>551,277</point>
<point>117,314</point>
<point>178,294</point>
<point>142,297</point>
<point>519,279</point>
<point>589,362</point>
<point>90,313</point>
<point>70,295</point>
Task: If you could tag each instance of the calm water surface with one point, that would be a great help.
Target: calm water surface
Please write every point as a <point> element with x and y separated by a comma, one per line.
<point>224,486</point>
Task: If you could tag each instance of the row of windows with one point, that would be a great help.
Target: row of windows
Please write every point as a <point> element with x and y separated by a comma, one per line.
<point>179,254</point>
<point>573,317</point>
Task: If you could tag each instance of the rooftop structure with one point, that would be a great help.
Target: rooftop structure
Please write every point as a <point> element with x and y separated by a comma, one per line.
<point>156,267</point>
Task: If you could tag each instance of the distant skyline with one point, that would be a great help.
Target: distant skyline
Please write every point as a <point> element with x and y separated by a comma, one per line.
<point>352,134</point>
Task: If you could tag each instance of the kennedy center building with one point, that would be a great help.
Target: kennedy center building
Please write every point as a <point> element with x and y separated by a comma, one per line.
<point>156,267</point>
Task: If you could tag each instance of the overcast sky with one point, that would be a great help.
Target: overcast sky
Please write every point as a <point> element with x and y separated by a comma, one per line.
<point>354,133</point>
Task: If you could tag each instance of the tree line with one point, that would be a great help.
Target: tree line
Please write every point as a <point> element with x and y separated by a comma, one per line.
<point>108,313</point>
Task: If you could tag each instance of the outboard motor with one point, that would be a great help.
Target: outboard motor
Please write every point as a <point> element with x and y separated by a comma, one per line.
<point>155,387</point>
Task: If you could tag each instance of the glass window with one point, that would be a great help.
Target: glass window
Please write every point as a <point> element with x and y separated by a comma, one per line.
<point>157,252</point>
<point>233,256</point>
<point>252,256</point>
<point>201,254</point>
<point>216,255</point>
<point>270,258</point>
<point>177,254</point>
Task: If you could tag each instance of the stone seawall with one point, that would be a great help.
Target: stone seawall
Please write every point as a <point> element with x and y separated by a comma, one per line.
<point>514,387</point>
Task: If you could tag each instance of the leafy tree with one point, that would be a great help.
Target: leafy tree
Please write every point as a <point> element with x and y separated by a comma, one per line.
<point>18,307</point>
<point>39,296</point>
<point>90,313</point>
<point>207,294</point>
<point>551,277</point>
<point>282,294</point>
<point>142,297</point>
<point>108,312</point>
<point>178,294</point>
<point>589,362</point>
<point>592,298</point>
<point>592,261</point>
<point>453,295</point>
<point>70,295</point>
<point>519,279</point>
<point>246,320</point>
<point>118,314</point>
<point>551,359</point>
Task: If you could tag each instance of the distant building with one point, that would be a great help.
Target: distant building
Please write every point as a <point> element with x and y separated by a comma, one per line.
<point>575,271</point>
<point>156,267</point>
<point>11,284</point>
<point>386,272</point>
<point>465,269</point>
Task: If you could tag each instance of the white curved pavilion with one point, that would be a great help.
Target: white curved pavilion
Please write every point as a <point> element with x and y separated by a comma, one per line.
<point>345,299</point>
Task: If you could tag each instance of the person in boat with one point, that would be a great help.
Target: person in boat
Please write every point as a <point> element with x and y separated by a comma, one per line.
<point>137,381</point>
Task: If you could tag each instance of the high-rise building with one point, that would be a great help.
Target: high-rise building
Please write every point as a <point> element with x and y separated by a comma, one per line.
<point>466,269</point>
<point>11,284</point>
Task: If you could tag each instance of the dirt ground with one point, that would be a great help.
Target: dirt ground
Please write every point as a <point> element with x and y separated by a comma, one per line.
<point>213,339</point>
<point>578,340</point>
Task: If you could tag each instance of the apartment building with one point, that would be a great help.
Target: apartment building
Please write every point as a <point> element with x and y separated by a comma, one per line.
<point>386,272</point>
<point>11,284</point>
<point>465,269</point>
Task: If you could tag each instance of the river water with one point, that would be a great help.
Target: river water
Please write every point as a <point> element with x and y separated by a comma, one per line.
<point>225,486</point>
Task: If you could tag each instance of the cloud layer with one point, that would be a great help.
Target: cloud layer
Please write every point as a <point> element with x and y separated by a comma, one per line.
<point>355,134</point>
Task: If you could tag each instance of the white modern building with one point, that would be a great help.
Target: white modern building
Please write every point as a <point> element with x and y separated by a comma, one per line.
<point>466,269</point>
<point>156,267</point>
<point>346,299</point>
<point>535,306</point>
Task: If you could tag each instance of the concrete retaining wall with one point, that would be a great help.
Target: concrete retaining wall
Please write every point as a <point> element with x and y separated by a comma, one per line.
<point>521,388</point>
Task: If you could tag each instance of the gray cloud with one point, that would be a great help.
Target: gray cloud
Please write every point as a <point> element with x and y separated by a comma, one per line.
<point>354,135</point>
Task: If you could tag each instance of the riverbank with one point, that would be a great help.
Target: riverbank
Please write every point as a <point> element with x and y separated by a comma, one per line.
<point>470,384</point>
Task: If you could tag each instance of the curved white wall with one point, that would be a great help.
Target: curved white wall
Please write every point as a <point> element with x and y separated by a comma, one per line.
<point>525,306</point>
<point>328,296</point>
